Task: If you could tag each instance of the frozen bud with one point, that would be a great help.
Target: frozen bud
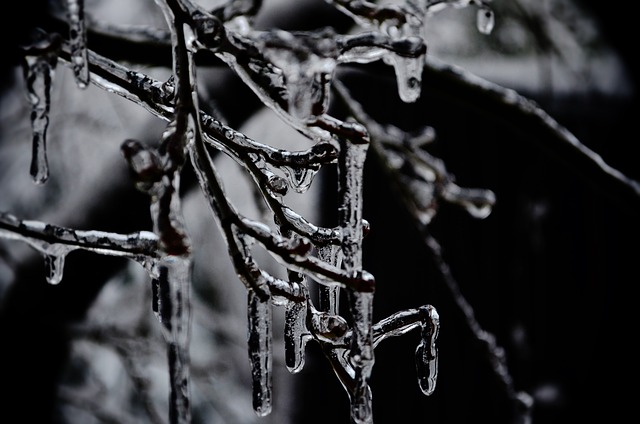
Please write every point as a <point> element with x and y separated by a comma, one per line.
<point>278,185</point>
<point>209,30</point>
<point>328,326</point>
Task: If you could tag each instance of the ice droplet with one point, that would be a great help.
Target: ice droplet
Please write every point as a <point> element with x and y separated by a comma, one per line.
<point>485,20</point>
<point>300,177</point>
<point>408,76</point>
<point>260,355</point>
<point>477,202</point>
<point>54,265</point>
<point>295,335</point>
<point>78,42</point>
<point>427,353</point>
<point>38,72</point>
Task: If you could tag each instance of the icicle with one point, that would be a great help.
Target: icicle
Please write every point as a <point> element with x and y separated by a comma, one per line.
<point>361,356</point>
<point>78,42</point>
<point>172,306</point>
<point>485,20</point>
<point>329,295</point>
<point>351,161</point>
<point>300,177</point>
<point>54,265</point>
<point>296,335</point>
<point>426,353</point>
<point>408,75</point>
<point>54,255</point>
<point>260,355</point>
<point>39,69</point>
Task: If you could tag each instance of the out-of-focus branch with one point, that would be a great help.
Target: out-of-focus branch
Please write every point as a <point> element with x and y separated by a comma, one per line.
<point>526,117</point>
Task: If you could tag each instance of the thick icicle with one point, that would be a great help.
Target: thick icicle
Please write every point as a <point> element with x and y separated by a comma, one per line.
<point>260,354</point>
<point>296,335</point>
<point>172,305</point>
<point>351,167</point>
<point>39,68</point>
<point>78,42</point>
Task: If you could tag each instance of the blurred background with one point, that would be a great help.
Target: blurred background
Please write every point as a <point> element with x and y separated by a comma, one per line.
<point>549,273</point>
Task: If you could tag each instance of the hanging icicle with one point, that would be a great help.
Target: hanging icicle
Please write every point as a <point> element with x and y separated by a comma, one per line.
<point>40,60</point>
<point>260,352</point>
<point>78,42</point>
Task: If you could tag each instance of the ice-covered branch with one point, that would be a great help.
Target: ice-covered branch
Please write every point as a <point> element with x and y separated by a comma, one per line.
<point>55,243</point>
<point>420,178</point>
<point>293,73</point>
<point>395,138</point>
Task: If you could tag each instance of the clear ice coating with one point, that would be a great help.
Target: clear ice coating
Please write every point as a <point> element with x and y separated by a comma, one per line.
<point>39,71</point>
<point>260,352</point>
<point>172,306</point>
<point>78,42</point>
<point>307,63</point>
